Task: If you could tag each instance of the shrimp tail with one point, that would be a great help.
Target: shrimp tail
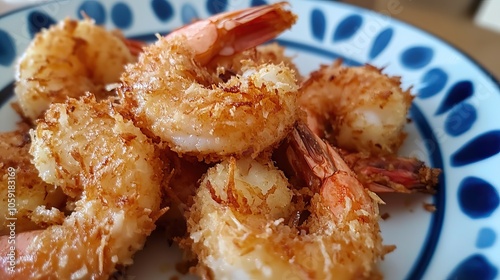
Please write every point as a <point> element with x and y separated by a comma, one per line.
<point>235,31</point>
<point>384,174</point>
<point>296,157</point>
<point>304,159</point>
<point>257,26</point>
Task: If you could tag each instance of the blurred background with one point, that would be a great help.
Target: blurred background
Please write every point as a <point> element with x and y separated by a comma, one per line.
<point>473,26</point>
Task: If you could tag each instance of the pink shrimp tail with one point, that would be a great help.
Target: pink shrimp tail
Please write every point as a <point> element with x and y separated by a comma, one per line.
<point>235,31</point>
<point>393,174</point>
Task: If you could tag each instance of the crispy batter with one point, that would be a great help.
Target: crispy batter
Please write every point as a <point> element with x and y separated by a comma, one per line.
<point>208,111</point>
<point>179,188</point>
<point>247,223</point>
<point>79,145</point>
<point>208,101</point>
<point>67,60</point>
<point>359,109</point>
<point>27,190</point>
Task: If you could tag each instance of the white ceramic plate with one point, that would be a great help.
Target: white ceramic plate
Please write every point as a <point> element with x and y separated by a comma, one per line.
<point>455,121</point>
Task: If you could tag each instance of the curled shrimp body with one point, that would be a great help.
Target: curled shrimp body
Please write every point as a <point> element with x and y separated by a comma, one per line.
<point>248,223</point>
<point>177,92</point>
<point>114,172</point>
<point>67,60</point>
<point>33,203</point>
<point>357,108</point>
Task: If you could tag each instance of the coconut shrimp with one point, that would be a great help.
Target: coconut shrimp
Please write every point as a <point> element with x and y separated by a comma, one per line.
<point>115,172</point>
<point>177,93</point>
<point>359,109</point>
<point>25,198</point>
<point>248,223</point>
<point>67,60</point>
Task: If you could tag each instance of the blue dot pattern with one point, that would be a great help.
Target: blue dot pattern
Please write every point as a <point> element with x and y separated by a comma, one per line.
<point>485,238</point>
<point>216,6</point>
<point>188,13</point>
<point>460,119</point>
<point>347,28</point>
<point>121,15</point>
<point>37,21</point>
<point>417,57</point>
<point>479,148</point>
<point>381,42</point>
<point>7,49</point>
<point>477,198</point>
<point>434,81</point>
<point>162,9</point>
<point>258,3</point>
<point>474,267</point>
<point>94,10</point>
<point>318,24</point>
<point>458,93</point>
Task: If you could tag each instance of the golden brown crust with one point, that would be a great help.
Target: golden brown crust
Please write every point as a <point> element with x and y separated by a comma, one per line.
<point>200,113</point>
<point>247,223</point>
<point>68,60</point>
<point>359,109</point>
<point>113,170</point>
<point>21,185</point>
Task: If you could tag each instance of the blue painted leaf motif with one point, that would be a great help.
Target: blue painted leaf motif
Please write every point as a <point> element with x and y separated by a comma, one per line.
<point>482,147</point>
<point>216,6</point>
<point>486,238</point>
<point>417,57</point>
<point>188,13</point>
<point>434,81</point>
<point>7,49</point>
<point>258,3</point>
<point>477,198</point>
<point>475,267</point>
<point>460,119</point>
<point>37,21</point>
<point>163,10</point>
<point>121,14</point>
<point>94,10</point>
<point>381,42</point>
<point>458,93</point>
<point>318,24</point>
<point>347,28</point>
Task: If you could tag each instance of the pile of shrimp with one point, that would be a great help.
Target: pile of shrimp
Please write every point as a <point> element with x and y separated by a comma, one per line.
<point>255,171</point>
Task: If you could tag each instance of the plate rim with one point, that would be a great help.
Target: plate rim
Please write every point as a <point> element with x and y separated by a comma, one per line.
<point>364,12</point>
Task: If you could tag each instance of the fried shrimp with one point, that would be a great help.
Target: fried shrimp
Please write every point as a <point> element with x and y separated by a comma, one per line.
<point>28,200</point>
<point>357,108</point>
<point>114,169</point>
<point>197,109</point>
<point>248,223</point>
<point>67,60</point>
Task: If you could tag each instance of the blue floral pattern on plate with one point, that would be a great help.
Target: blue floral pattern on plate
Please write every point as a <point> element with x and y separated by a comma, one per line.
<point>453,128</point>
